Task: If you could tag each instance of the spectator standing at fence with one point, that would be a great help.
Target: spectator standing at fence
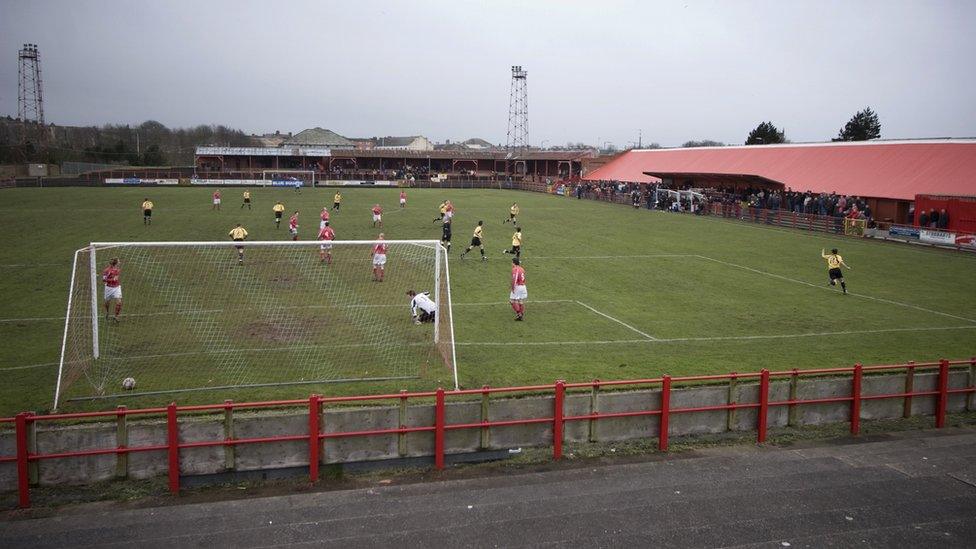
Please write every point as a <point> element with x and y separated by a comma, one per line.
<point>933,219</point>
<point>923,219</point>
<point>943,219</point>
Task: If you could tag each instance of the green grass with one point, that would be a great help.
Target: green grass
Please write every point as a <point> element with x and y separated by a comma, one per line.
<point>688,282</point>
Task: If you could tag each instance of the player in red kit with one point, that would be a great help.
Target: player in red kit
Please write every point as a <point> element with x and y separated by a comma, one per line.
<point>403,199</point>
<point>325,249</point>
<point>519,294</point>
<point>377,215</point>
<point>216,200</point>
<point>379,259</point>
<point>293,225</point>
<point>113,289</point>
<point>324,218</point>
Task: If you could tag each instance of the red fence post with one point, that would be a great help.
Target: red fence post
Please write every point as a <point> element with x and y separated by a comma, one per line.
<point>173,440</point>
<point>763,405</point>
<point>23,475</point>
<point>439,429</point>
<point>557,419</point>
<point>314,403</point>
<point>662,435</point>
<point>856,400</point>
<point>940,410</point>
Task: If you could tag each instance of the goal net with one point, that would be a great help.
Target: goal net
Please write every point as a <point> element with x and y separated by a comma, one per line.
<point>288,178</point>
<point>195,318</point>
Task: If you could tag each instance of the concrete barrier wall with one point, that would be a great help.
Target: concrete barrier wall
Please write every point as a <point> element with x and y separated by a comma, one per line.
<point>215,459</point>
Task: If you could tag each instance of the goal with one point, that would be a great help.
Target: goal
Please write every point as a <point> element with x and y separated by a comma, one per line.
<point>195,319</point>
<point>287,178</point>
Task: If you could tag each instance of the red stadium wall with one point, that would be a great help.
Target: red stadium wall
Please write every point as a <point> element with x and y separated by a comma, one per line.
<point>961,210</point>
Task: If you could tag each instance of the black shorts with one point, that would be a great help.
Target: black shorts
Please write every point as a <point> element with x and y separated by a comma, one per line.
<point>446,236</point>
<point>147,213</point>
<point>247,200</point>
<point>516,249</point>
<point>278,215</point>
<point>424,316</point>
<point>475,241</point>
<point>511,215</point>
<point>835,273</point>
<point>335,205</point>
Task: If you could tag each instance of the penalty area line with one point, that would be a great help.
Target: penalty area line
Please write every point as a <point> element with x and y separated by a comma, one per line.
<point>618,321</point>
<point>820,287</point>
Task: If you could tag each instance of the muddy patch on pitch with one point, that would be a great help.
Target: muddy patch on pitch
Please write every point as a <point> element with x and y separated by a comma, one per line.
<point>285,331</point>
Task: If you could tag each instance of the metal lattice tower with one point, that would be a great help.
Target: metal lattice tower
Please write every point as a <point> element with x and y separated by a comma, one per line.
<point>518,110</point>
<point>30,100</point>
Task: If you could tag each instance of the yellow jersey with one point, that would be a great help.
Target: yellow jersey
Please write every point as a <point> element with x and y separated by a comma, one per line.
<point>238,233</point>
<point>279,207</point>
<point>147,205</point>
<point>477,231</point>
<point>443,208</point>
<point>833,260</point>
<point>514,210</point>
<point>517,239</point>
<point>247,195</point>
<point>337,198</point>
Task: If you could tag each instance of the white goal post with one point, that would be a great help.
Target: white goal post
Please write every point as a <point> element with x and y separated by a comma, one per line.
<point>285,178</point>
<point>199,316</point>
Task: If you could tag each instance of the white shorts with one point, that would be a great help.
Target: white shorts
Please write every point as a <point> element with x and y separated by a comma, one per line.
<point>216,201</point>
<point>519,293</point>
<point>322,224</point>
<point>403,201</point>
<point>448,215</point>
<point>293,231</point>
<point>379,260</point>
<point>113,292</point>
<point>325,247</point>
<point>377,218</point>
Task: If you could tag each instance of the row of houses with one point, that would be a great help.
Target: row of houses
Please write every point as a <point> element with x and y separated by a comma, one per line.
<point>325,138</point>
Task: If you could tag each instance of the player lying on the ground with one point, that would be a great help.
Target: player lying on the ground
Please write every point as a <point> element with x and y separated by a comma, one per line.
<point>476,240</point>
<point>834,263</point>
<point>147,207</point>
<point>422,307</point>
<point>518,294</point>
<point>113,289</point>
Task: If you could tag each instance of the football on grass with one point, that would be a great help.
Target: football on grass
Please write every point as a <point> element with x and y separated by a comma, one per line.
<point>129,383</point>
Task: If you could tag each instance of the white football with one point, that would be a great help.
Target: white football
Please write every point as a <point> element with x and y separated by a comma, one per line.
<point>129,383</point>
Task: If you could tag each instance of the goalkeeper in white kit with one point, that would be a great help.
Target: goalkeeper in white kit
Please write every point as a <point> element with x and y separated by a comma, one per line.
<point>422,308</point>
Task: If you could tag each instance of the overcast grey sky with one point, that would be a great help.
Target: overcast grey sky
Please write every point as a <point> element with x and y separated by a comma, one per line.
<point>598,71</point>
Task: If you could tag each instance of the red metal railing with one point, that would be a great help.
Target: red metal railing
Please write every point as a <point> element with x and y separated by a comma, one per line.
<point>317,434</point>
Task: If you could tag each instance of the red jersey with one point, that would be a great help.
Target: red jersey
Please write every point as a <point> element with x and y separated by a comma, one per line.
<point>326,233</point>
<point>403,195</point>
<point>324,215</point>
<point>518,275</point>
<point>450,208</point>
<point>110,276</point>
<point>379,249</point>
<point>216,195</point>
<point>293,222</point>
<point>377,210</point>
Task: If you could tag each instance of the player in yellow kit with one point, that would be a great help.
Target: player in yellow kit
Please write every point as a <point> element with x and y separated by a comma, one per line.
<point>238,234</point>
<point>512,214</point>
<point>336,201</point>
<point>247,200</point>
<point>834,263</point>
<point>147,208</point>
<point>476,240</point>
<point>279,210</point>
<point>516,243</point>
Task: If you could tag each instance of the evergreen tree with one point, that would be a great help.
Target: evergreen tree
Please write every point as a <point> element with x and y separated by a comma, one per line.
<point>764,134</point>
<point>862,126</point>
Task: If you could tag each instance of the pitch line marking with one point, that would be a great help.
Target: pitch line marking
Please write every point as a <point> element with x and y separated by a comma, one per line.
<point>820,287</point>
<point>618,321</point>
<point>707,339</point>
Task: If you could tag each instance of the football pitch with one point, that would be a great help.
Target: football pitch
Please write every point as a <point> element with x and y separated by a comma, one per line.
<point>614,293</point>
